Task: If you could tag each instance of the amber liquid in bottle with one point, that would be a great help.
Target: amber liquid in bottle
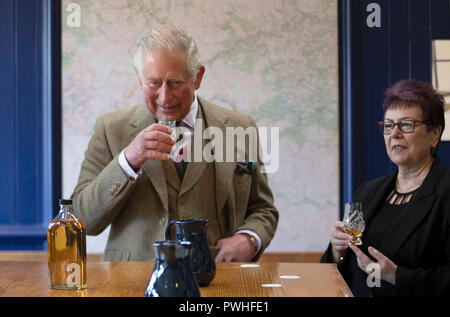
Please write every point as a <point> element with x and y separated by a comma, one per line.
<point>66,241</point>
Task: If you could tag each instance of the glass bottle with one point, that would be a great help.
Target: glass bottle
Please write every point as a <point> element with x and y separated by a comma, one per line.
<point>66,249</point>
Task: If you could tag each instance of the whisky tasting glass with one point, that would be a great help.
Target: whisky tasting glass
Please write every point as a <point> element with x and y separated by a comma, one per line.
<point>354,224</point>
<point>173,125</point>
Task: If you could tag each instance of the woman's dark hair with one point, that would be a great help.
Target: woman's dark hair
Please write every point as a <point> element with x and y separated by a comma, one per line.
<point>413,93</point>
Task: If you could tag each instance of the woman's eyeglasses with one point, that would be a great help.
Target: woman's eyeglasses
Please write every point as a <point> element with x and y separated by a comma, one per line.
<point>405,125</point>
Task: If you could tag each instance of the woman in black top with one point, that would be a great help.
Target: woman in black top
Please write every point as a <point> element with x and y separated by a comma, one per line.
<point>406,242</point>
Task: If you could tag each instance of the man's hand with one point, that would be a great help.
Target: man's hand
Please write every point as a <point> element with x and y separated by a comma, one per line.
<point>235,249</point>
<point>387,267</point>
<point>152,143</point>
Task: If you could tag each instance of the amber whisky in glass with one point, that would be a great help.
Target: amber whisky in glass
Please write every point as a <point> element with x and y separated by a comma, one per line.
<point>354,222</point>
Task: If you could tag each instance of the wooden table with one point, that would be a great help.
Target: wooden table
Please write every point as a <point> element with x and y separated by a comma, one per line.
<point>129,279</point>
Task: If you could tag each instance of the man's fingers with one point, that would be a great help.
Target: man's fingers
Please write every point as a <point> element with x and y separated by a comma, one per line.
<point>158,127</point>
<point>158,146</point>
<point>159,133</point>
<point>156,155</point>
<point>219,244</point>
<point>219,257</point>
<point>223,256</point>
<point>158,136</point>
<point>233,249</point>
<point>152,143</point>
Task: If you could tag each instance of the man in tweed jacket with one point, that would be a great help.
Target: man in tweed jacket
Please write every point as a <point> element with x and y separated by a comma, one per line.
<point>129,181</point>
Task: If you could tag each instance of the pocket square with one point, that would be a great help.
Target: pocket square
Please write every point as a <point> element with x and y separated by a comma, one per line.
<point>246,167</point>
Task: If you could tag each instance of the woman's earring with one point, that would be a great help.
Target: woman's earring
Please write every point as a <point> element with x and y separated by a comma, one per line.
<point>433,151</point>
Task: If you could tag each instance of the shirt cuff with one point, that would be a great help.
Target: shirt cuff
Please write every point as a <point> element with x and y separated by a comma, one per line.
<point>253,234</point>
<point>132,175</point>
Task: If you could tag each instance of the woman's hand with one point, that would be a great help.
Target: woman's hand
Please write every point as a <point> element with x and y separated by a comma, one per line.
<point>387,267</point>
<point>339,241</point>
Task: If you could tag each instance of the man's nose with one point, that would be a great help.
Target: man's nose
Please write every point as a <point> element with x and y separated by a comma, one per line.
<point>164,94</point>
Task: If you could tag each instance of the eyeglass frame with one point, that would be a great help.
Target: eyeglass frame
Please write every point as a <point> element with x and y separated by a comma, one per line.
<point>381,125</point>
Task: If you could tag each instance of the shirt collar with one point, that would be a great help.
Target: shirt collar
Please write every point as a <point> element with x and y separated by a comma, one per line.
<point>189,120</point>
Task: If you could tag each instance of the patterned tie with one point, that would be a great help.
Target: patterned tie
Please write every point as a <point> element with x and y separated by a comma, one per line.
<point>180,164</point>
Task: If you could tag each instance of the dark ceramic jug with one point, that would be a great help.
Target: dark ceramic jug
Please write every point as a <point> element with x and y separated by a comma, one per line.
<point>194,231</point>
<point>172,274</point>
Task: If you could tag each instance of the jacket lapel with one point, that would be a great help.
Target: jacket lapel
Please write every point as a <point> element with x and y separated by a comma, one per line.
<point>194,170</point>
<point>171,174</point>
<point>153,169</point>
<point>414,213</point>
<point>223,171</point>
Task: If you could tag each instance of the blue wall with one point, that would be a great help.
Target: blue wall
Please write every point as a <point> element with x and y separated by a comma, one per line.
<point>372,59</point>
<point>29,121</point>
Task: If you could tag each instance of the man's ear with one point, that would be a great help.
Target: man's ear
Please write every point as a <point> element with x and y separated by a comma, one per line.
<point>198,79</point>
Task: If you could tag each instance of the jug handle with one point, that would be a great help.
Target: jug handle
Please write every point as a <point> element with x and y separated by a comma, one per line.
<point>167,233</point>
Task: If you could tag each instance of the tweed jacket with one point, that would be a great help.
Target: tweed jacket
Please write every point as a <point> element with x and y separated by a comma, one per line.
<point>139,210</point>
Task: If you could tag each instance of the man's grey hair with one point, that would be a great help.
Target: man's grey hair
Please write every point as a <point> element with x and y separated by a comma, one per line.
<point>173,39</point>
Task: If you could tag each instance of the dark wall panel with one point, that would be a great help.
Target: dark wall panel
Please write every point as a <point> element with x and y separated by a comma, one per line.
<point>29,110</point>
<point>7,113</point>
<point>374,58</point>
<point>26,121</point>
